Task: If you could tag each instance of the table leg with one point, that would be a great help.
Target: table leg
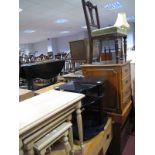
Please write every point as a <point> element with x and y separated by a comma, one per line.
<point>66,144</point>
<point>125,46</point>
<point>116,49</point>
<point>121,50</point>
<point>71,136</point>
<point>80,125</point>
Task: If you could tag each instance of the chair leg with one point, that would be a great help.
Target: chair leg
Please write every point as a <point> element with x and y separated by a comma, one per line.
<point>90,51</point>
<point>121,50</point>
<point>125,46</point>
<point>100,49</point>
<point>116,49</point>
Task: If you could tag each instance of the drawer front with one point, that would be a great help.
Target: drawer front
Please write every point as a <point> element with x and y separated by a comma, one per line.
<point>125,70</point>
<point>126,96</point>
<point>107,138</point>
<point>126,82</point>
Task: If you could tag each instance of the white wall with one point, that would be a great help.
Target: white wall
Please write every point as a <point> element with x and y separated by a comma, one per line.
<point>62,44</point>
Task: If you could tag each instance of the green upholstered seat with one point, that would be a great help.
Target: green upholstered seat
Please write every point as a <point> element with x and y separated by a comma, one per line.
<point>108,30</point>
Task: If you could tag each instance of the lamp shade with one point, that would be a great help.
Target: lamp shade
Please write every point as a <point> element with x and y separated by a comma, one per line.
<point>122,21</point>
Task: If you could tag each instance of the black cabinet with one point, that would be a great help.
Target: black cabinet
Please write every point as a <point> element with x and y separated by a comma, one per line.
<point>93,116</point>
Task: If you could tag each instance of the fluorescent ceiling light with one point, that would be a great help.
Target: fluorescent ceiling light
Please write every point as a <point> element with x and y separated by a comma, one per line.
<point>20,9</point>
<point>63,32</point>
<point>61,21</point>
<point>84,27</point>
<point>29,31</point>
<point>113,6</point>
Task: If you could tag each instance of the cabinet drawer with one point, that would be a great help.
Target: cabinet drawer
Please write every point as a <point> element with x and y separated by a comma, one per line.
<point>107,138</point>
<point>126,82</point>
<point>125,70</point>
<point>126,95</point>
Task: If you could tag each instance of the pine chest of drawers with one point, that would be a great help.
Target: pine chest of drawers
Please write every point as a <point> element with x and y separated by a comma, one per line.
<point>117,86</point>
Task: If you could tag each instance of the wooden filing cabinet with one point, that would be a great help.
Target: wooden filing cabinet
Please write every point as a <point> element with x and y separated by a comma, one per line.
<point>118,84</point>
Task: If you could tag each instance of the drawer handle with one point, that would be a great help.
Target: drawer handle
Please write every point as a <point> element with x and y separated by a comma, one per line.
<point>107,136</point>
<point>126,81</point>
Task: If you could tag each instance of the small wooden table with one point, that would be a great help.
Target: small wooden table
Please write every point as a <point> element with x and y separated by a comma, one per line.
<point>42,113</point>
<point>25,94</point>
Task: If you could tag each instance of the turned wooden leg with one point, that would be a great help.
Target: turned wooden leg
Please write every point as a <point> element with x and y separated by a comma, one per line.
<point>66,143</point>
<point>71,136</point>
<point>80,125</point>
<point>116,49</point>
<point>71,140</point>
<point>125,46</point>
<point>100,49</point>
<point>121,50</point>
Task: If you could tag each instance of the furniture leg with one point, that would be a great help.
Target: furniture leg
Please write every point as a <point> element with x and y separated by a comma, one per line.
<point>90,51</point>
<point>80,125</point>
<point>116,49</point>
<point>125,46</point>
<point>121,50</point>
<point>71,136</point>
<point>100,49</point>
<point>66,143</point>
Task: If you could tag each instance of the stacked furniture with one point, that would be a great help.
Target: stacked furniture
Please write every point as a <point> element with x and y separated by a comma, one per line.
<point>92,88</point>
<point>117,99</point>
<point>41,115</point>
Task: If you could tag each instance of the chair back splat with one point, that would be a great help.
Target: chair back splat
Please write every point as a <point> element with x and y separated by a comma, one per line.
<point>95,32</point>
<point>92,21</point>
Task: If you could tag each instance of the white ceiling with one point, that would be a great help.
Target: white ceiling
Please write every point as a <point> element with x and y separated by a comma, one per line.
<point>40,15</point>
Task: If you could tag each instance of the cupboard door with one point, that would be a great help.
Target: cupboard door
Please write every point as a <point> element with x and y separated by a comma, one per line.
<point>111,99</point>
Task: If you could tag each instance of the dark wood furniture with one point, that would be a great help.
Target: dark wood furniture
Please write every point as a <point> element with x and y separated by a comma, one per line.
<point>118,86</point>
<point>117,101</point>
<point>108,33</point>
<point>45,70</point>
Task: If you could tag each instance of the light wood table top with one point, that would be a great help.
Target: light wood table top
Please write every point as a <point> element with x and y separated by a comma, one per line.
<point>25,94</point>
<point>39,108</point>
<point>51,87</point>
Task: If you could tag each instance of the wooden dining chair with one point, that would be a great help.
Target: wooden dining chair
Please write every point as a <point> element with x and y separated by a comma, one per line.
<point>95,32</point>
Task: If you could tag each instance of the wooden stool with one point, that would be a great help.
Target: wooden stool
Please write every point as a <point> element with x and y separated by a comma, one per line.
<point>62,131</point>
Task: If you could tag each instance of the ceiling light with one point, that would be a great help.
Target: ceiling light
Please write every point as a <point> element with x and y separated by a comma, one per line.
<point>20,9</point>
<point>84,27</point>
<point>113,6</point>
<point>61,21</point>
<point>29,31</point>
<point>63,32</point>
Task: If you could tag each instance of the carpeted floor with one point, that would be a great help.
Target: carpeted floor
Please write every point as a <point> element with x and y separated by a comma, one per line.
<point>129,148</point>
